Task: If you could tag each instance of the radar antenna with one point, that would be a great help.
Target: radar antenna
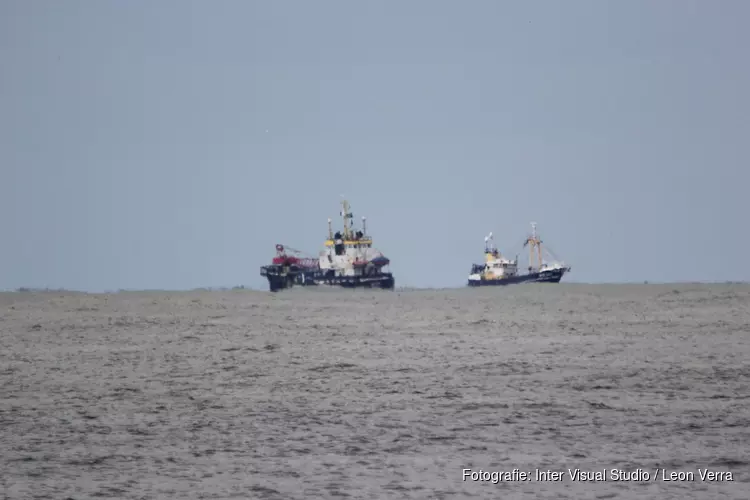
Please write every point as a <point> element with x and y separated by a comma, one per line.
<point>488,243</point>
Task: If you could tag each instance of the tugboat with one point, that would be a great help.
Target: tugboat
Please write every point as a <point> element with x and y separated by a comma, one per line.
<point>348,261</point>
<point>498,270</point>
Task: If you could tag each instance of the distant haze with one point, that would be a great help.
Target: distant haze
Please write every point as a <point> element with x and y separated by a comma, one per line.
<point>172,144</point>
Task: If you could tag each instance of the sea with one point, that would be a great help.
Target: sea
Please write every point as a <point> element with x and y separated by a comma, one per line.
<point>558,391</point>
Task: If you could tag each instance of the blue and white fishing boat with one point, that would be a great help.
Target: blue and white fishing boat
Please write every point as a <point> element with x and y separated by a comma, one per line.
<point>499,270</point>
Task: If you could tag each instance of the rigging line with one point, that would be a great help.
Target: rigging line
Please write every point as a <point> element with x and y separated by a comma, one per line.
<point>552,253</point>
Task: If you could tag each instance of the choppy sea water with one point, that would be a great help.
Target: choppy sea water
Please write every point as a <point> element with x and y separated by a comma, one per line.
<point>374,394</point>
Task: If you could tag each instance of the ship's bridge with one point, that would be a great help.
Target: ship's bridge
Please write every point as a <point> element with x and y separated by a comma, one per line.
<point>348,243</point>
<point>493,255</point>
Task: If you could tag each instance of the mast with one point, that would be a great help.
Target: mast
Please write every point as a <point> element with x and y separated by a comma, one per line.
<point>538,246</point>
<point>346,216</point>
<point>330,230</point>
<point>531,247</point>
<point>533,241</point>
<point>489,243</point>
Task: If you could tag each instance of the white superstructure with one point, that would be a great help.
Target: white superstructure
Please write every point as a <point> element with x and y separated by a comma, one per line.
<point>350,252</point>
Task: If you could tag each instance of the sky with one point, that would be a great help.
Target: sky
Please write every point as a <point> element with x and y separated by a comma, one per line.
<point>173,144</point>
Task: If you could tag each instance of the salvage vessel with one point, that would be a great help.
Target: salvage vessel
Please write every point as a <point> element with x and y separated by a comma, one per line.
<point>348,260</point>
<point>499,270</point>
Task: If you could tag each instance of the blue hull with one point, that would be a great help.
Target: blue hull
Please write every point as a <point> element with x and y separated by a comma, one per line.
<point>553,276</point>
<point>280,277</point>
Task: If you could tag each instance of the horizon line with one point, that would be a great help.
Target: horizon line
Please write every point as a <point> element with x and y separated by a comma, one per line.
<point>400,288</point>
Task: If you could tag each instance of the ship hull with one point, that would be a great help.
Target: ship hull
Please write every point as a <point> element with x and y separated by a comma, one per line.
<point>280,277</point>
<point>552,276</point>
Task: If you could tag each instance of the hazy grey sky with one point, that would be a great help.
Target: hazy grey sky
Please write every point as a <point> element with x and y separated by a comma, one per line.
<point>172,144</point>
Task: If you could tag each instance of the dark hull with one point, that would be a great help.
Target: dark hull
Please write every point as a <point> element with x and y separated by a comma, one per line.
<point>553,276</point>
<point>280,277</point>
